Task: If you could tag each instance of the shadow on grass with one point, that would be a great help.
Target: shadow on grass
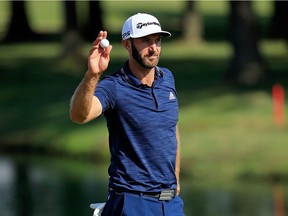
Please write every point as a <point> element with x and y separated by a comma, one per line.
<point>35,96</point>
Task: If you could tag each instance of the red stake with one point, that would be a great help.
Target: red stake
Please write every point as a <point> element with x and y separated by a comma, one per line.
<point>279,201</point>
<point>278,105</point>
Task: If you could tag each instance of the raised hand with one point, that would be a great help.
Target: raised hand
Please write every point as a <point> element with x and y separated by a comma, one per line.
<point>98,57</point>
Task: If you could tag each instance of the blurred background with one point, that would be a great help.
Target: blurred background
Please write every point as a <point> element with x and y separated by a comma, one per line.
<point>230,62</point>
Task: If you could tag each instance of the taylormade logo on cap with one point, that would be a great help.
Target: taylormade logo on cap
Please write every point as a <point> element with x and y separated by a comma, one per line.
<point>140,25</point>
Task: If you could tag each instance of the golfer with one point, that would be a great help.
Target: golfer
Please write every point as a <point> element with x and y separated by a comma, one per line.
<point>140,105</point>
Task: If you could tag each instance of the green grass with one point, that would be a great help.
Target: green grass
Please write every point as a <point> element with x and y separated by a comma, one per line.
<point>232,135</point>
<point>227,131</point>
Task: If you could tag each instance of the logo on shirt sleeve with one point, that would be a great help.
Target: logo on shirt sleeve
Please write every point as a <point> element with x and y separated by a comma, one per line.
<point>172,96</point>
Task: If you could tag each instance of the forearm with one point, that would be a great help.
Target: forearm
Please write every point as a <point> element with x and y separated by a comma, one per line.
<point>82,99</point>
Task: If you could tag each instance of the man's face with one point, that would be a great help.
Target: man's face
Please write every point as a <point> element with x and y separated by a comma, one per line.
<point>146,50</point>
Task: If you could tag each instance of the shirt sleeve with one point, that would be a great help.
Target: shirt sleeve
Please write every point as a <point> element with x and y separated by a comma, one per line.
<point>106,93</point>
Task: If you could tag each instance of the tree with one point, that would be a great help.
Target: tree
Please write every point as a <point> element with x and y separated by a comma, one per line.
<point>278,27</point>
<point>76,32</point>
<point>72,41</point>
<point>89,29</point>
<point>247,66</point>
<point>95,22</point>
<point>192,24</point>
<point>19,29</point>
<point>70,15</point>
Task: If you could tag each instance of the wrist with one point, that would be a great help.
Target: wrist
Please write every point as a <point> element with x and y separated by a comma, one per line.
<point>92,76</point>
<point>91,80</point>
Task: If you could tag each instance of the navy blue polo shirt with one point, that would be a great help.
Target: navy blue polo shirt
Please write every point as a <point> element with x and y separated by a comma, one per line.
<point>141,121</point>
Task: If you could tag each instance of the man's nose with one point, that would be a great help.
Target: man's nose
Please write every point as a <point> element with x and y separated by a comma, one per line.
<point>153,46</point>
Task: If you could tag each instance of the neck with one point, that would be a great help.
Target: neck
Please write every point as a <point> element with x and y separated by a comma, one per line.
<point>145,76</point>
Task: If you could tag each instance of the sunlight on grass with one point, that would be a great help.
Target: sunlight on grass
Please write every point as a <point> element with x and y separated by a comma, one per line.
<point>181,50</point>
<point>213,7</point>
<point>275,48</point>
<point>116,12</point>
<point>232,134</point>
<point>170,50</point>
<point>30,50</point>
<point>263,8</point>
<point>46,16</point>
<point>4,16</point>
<point>85,139</point>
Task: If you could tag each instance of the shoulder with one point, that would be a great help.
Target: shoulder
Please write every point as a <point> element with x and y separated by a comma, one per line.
<point>106,90</point>
<point>166,73</point>
<point>110,79</point>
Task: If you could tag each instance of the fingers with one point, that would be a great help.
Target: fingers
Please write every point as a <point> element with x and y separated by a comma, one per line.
<point>107,51</point>
<point>96,49</point>
<point>101,35</point>
<point>104,35</point>
<point>96,44</point>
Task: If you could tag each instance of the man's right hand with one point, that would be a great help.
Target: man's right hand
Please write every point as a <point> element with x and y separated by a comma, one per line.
<point>84,105</point>
<point>98,57</point>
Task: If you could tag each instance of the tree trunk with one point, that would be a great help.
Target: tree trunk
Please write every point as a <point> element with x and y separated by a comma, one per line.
<point>95,22</point>
<point>72,43</point>
<point>192,24</point>
<point>247,66</point>
<point>19,29</point>
<point>279,27</point>
<point>70,15</point>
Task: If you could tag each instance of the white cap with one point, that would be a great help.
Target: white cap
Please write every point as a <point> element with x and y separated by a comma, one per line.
<point>140,25</point>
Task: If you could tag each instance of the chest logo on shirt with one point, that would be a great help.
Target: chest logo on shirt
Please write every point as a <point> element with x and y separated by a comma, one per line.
<point>172,96</point>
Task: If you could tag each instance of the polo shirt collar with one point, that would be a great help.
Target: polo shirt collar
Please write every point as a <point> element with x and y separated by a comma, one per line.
<point>134,80</point>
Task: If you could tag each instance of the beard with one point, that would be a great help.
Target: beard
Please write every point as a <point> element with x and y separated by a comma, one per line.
<point>142,60</point>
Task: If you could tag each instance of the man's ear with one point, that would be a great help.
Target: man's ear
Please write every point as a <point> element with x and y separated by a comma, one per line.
<point>126,44</point>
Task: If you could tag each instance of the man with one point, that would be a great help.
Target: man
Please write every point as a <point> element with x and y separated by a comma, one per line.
<point>141,108</point>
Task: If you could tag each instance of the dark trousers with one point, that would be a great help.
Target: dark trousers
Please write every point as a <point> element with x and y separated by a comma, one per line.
<point>128,204</point>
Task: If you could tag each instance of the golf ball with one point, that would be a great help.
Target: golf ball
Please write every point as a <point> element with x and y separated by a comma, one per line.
<point>104,43</point>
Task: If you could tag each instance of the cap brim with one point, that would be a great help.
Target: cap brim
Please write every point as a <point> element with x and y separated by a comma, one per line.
<point>166,34</point>
<point>163,33</point>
